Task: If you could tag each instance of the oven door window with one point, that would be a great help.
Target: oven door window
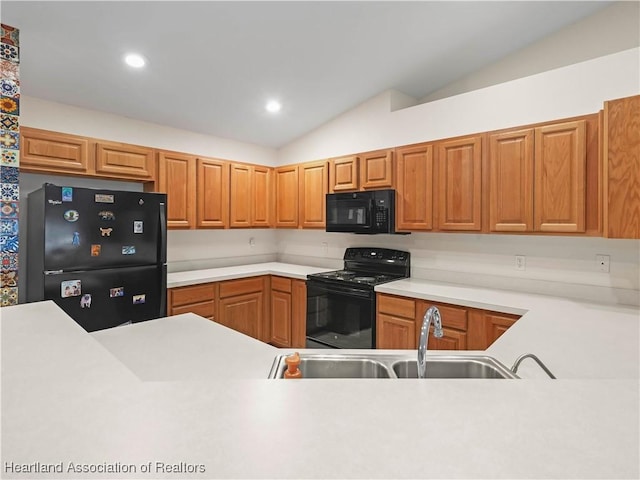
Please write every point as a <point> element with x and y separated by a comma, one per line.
<point>339,317</point>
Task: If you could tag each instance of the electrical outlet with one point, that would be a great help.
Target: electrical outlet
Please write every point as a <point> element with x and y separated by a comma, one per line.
<point>521,262</point>
<point>325,248</point>
<point>252,242</point>
<point>602,261</point>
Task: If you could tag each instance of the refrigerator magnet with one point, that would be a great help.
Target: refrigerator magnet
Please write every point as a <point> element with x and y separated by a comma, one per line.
<point>106,215</point>
<point>95,250</point>
<point>138,226</point>
<point>105,232</point>
<point>76,239</point>
<point>70,288</point>
<point>67,194</point>
<point>116,292</point>
<point>128,249</point>
<point>139,299</point>
<point>71,216</point>
<point>102,198</point>
<point>85,301</point>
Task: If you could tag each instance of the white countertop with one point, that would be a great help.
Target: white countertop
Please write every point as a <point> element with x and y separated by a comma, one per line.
<point>181,279</point>
<point>184,389</point>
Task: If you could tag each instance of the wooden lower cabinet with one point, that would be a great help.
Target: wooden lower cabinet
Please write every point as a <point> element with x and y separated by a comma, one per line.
<point>399,321</point>
<point>395,332</point>
<point>280,325</point>
<point>198,299</point>
<point>243,306</point>
<point>269,308</point>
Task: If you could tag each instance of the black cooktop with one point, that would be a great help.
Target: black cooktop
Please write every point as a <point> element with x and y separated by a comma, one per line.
<point>369,266</point>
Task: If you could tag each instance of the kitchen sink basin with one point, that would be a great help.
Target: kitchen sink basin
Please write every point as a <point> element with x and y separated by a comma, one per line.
<point>344,365</point>
<point>454,367</point>
<point>334,366</point>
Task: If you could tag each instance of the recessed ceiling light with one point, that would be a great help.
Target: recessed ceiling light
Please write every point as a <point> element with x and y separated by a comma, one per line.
<point>273,106</point>
<point>134,60</point>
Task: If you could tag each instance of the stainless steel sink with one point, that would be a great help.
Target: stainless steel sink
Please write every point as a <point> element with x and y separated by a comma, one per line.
<point>454,367</point>
<point>334,366</point>
<point>345,365</point>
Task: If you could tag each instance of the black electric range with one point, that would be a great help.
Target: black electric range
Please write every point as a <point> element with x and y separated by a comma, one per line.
<point>341,305</point>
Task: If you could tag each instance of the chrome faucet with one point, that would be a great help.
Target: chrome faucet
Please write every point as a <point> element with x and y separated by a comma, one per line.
<point>434,313</point>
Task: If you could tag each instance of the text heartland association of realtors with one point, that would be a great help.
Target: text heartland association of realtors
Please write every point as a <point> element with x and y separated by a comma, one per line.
<point>104,467</point>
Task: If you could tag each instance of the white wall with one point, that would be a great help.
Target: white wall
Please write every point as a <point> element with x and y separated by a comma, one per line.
<point>613,29</point>
<point>573,90</point>
<point>560,266</point>
<point>38,113</point>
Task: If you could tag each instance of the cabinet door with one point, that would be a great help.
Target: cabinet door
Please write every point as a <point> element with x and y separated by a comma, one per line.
<point>452,340</point>
<point>177,178</point>
<point>511,181</point>
<point>262,197</point>
<point>280,334</point>
<point>212,193</point>
<point>312,191</point>
<point>395,333</point>
<point>121,160</point>
<point>495,324</point>
<point>459,184</point>
<point>243,313</point>
<point>298,313</point>
<point>622,168</point>
<point>241,195</point>
<point>287,196</point>
<point>559,188</point>
<point>42,151</point>
<point>414,194</point>
<point>376,169</point>
<point>343,174</point>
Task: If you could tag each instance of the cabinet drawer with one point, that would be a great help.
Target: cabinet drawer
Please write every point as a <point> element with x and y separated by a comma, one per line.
<point>232,288</point>
<point>205,309</point>
<point>397,306</point>
<point>196,294</point>
<point>281,284</point>
<point>452,317</point>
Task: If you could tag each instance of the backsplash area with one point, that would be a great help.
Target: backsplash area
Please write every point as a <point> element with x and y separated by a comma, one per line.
<point>560,266</point>
<point>200,249</point>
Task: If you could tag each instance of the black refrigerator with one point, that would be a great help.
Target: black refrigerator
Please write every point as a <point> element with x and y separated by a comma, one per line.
<point>99,254</point>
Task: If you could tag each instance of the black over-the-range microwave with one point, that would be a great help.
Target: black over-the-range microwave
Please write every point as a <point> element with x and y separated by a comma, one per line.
<point>369,212</point>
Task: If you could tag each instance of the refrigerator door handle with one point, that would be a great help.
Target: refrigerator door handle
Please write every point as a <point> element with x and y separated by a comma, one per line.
<point>53,272</point>
<point>163,295</point>
<point>163,233</point>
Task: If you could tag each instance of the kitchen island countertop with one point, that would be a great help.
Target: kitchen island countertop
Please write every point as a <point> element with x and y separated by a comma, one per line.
<point>187,392</point>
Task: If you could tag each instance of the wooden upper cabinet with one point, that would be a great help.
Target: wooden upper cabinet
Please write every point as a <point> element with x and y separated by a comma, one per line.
<point>459,185</point>
<point>123,161</point>
<point>313,182</point>
<point>343,174</point>
<point>287,196</point>
<point>560,177</point>
<point>44,151</point>
<point>414,187</point>
<point>622,168</point>
<point>511,181</point>
<point>212,193</point>
<point>376,169</point>
<point>240,201</point>
<point>177,178</point>
<point>262,196</point>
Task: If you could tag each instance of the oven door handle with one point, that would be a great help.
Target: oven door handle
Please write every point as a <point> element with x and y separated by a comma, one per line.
<point>346,290</point>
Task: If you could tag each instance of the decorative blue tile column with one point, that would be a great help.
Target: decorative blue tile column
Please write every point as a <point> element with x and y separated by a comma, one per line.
<point>10,163</point>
